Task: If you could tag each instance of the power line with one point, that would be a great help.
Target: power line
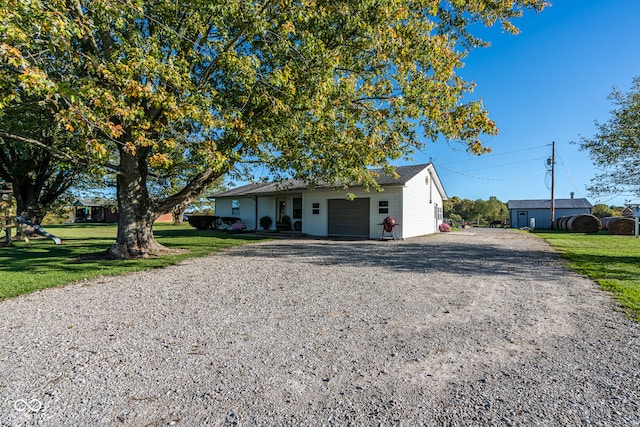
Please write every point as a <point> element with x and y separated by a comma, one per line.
<point>493,155</point>
<point>568,174</point>
<point>505,164</point>
<point>492,179</point>
<point>440,165</point>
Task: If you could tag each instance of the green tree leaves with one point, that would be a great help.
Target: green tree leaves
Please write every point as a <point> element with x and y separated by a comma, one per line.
<point>314,89</point>
<point>458,209</point>
<point>615,148</point>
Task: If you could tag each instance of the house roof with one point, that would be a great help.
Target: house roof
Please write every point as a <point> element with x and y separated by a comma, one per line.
<point>546,204</point>
<point>93,202</point>
<point>405,173</point>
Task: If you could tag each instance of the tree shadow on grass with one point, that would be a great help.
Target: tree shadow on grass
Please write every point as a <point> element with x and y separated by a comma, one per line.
<point>44,255</point>
<point>218,234</point>
<point>40,258</point>
<point>615,267</point>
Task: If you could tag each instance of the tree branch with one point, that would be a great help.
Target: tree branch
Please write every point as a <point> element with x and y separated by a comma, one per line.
<point>56,153</point>
<point>212,67</point>
<point>59,154</point>
<point>76,12</point>
<point>190,191</point>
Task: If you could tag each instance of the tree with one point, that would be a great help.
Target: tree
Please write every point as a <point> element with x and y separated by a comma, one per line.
<point>313,89</point>
<point>601,210</point>
<point>615,148</point>
<point>39,174</point>
<point>493,209</point>
<point>464,207</point>
<point>483,210</point>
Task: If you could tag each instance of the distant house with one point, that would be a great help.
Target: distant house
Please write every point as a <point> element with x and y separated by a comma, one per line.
<point>94,210</point>
<point>414,200</point>
<point>103,210</point>
<point>168,217</point>
<point>522,212</point>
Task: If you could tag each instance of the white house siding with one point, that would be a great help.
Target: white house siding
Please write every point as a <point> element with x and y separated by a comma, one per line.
<point>267,207</point>
<point>223,207</point>
<point>392,195</point>
<point>317,224</point>
<point>420,201</point>
<point>247,211</point>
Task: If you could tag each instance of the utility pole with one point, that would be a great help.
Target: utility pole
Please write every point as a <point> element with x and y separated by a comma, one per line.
<point>553,178</point>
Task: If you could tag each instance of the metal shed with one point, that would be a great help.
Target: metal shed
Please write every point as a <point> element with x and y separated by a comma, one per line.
<point>521,212</point>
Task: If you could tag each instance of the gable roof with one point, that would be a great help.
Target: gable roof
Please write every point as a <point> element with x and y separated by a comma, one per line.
<point>405,173</point>
<point>96,201</point>
<point>546,204</point>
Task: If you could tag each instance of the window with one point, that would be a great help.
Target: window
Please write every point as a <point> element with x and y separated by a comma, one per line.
<point>316,209</point>
<point>235,207</point>
<point>383,206</point>
<point>297,208</point>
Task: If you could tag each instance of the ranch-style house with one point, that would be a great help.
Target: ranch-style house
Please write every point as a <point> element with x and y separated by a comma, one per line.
<point>414,199</point>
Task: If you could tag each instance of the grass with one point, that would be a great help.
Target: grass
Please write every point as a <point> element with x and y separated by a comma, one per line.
<point>25,269</point>
<point>612,261</point>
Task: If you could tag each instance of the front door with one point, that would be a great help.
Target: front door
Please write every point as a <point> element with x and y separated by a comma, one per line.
<point>523,219</point>
<point>283,217</point>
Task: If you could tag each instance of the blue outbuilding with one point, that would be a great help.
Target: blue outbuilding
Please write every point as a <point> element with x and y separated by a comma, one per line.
<point>525,213</point>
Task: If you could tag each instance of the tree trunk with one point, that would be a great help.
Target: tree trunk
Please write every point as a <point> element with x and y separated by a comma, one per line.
<point>178,215</point>
<point>27,206</point>
<point>135,211</point>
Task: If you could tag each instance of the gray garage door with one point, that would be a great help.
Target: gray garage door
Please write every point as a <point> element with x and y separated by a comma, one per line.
<point>349,217</point>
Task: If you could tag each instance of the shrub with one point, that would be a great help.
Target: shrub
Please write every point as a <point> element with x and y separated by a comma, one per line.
<point>265,222</point>
<point>444,227</point>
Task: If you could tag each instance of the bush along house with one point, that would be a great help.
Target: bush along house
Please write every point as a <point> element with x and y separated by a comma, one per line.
<point>414,199</point>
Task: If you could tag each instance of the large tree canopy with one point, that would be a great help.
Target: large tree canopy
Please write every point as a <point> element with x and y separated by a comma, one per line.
<point>615,148</point>
<point>31,158</point>
<point>317,90</point>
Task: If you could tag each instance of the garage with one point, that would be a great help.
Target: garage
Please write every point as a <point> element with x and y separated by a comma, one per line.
<point>349,217</point>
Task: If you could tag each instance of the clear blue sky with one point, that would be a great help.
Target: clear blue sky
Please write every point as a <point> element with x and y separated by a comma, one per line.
<point>549,83</point>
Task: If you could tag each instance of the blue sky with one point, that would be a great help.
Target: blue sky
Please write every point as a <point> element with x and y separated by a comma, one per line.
<point>549,83</point>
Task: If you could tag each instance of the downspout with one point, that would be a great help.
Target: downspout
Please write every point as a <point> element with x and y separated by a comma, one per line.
<point>430,187</point>
<point>255,199</point>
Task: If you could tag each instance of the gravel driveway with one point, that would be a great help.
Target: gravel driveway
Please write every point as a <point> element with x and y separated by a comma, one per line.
<point>479,327</point>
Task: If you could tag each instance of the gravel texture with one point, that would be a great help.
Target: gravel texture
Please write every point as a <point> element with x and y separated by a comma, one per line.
<point>478,327</point>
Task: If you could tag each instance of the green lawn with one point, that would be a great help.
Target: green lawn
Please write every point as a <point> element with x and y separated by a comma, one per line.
<point>612,261</point>
<point>24,269</point>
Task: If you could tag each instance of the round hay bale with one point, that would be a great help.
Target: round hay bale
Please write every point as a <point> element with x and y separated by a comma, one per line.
<point>606,221</point>
<point>619,225</point>
<point>584,223</point>
<point>561,223</point>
